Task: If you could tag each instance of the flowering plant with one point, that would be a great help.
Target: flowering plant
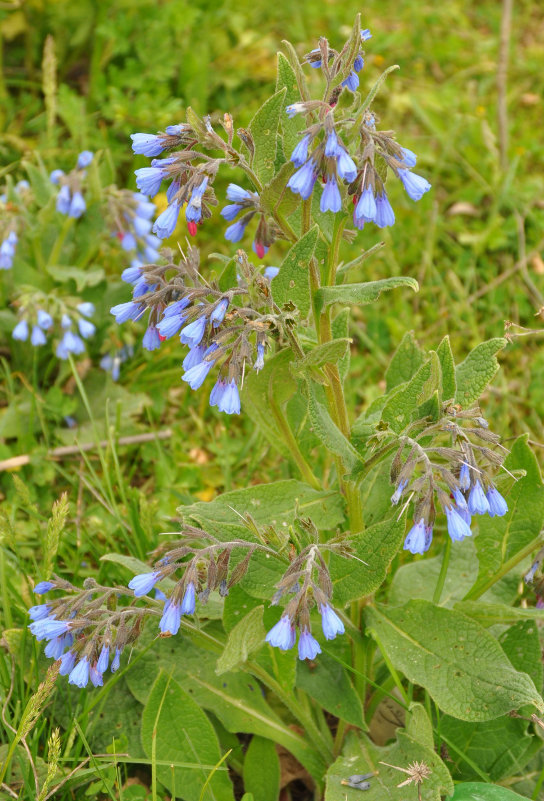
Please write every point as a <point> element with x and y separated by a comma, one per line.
<point>418,469</point>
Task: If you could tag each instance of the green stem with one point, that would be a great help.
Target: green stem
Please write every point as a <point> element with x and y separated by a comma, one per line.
<point>443,572</point>
<point>57,247</point>
<point>292,444</point>
<point>479,588</point>
<point>292,703</point>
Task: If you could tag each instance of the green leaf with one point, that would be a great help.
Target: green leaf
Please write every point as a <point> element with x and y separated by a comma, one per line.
<point>82,278</point>
<point>274,380</point>
<point>491,614</point>
<point>417,579</point>
<point>276,197</point>
<point>276,504</point>
<point>499,748</point>
<point>327,683</point>
<point>402,406</point>
<point>293,282</point>
<point>234,698</point>
<point>360,755</point>
<point>458,662</point>
<point>377,546</point>
<point>361,294</point>
<point>264,130</point>
<point>447,364</point>
<point>478,791</point>
<point>40,183</point>
<point>247,636</point>
<point>262,772</point>
<point>177,732</point>
<point>521,645</point>
<point>319,355</point>
<point>406,361</point>
<point>419,727</point>
<point>501,538</point>
<point>340,330</point>
<point>476,371</point>
<point>291,127</point>
<point>328,432</point>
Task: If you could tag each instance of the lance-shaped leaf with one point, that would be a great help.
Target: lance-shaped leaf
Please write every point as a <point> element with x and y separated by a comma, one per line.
<point>247,636</point>
<point>479,791</point>
<point>264,130</point>
<point>502,538</point>
<point>293,281</point>
<point>447,365</point>
<point>405,363</point>
<point>362,294</point>
<point>476,371</point>
<point>291,126</point>
<point>403,405</point>
<point>328,432</point>
<point>458,662</point>
<point>177,731</point>
<point>376,546</point>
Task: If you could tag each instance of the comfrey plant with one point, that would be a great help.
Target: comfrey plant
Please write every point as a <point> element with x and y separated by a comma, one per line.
<point>318,563</point>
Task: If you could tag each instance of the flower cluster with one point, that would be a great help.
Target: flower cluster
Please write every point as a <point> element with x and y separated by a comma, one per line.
<point>63,622</point>
<point>299,580</point>
<point>324,150</point>
<point>322,56</point>
<point>458,475</point>
<point>40,317</point>
<point>111,362</point>
<point>248,204</point>
<point>189,185</point>
<point>131,213</point>
<point>7,250</point>
<point>70,200</point>
<point>218,332</point>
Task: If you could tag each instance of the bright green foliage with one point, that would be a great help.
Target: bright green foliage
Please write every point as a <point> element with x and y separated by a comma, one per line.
<point>477,370</point>
<point>174,727</point>
<point>293,282</point>
<point>263,128</point>
<point>262,769</point>
<point>460,664</point>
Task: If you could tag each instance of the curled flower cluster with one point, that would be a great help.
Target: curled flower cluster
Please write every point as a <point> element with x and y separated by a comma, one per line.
<point>70,326</point>
<point>299,580</point>
<point>70,200</point>
<point>111,362</point>
<point>131,213</point>
<point>64,621</point>
<point>331,160</point>
<point>189,186</point>
<point>322,152</point>
<point>218,333</point>
<point>322,56</point>
<point>456,475</point>
<point>7,250</point>
<point>248,204</point>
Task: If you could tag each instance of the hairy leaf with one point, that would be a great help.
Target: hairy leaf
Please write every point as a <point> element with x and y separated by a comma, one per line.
<point>460,663</point>
<point>293,282</point>
<point>264,129</point>
<point>406,361</point>
<point>361,294</point>
<point>476,371</point>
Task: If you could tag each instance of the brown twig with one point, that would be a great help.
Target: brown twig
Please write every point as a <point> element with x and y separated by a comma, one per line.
<point>73,450</point>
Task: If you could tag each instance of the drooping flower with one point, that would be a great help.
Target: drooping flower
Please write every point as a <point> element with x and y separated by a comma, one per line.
<point>77,205</point>
<point>165,224</point>
<point>192,333</point>
<point>103,659</point>
<point>417,540</point>
<point>229,401</point>
<point>385,216</point>
<point>152,338</point>
<point>415,185</point>
<point>300,153</point>
<point>116,660</point>
<point>457,527</point>
<point>396,496</point>
<point>39,611</point>
<point>127,311</point>
<point>218,313</point>
<point>308,646</point>
<point>330,622</point>
<point>303,180</point>
<point>331,199</point>
<point>67,662</point>
<point>144,583</point>
<point>171,618</point>
<point>464,477</point>
<point>80,673</point>
<point>497,505</point>
<point>84,159</point>
<point>477,502</point>
<point>43,586</point>
<point>48,628</point>
<point>366,207</point>
<point>189,598</point>
<point>283,634</point>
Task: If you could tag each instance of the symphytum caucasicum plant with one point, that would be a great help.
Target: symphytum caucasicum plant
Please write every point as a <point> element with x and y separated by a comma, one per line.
<point>288,610</point>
